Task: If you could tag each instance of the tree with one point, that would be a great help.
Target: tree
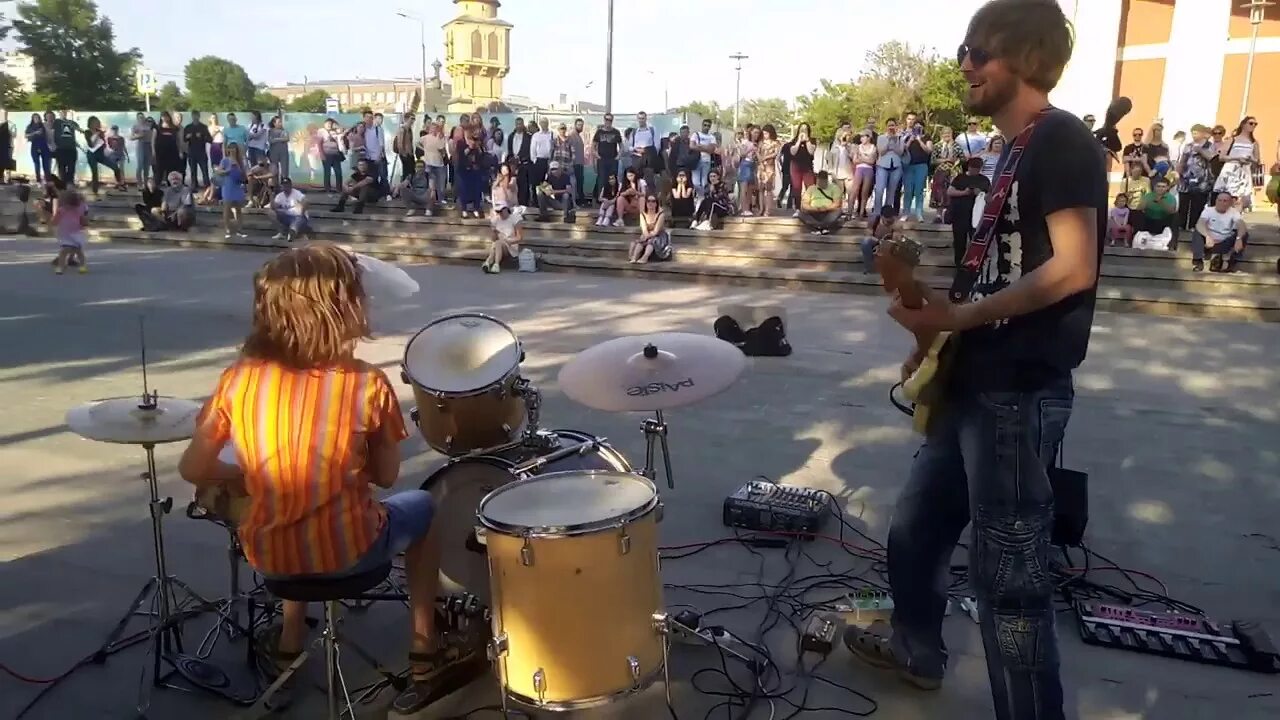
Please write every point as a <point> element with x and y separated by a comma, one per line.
<point>74,53</point>
<point>312,102</point>
<point>708,111</point>
<point>217,84</point>
<point>12,94</point>
<point>942,94</point>
<point>764,111</point>
<point>171,97</point>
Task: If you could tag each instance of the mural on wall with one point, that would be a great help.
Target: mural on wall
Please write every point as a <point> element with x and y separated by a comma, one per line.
<point>305,165</point>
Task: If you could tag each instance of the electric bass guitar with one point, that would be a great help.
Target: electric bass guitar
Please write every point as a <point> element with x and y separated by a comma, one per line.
<point>897,258</point>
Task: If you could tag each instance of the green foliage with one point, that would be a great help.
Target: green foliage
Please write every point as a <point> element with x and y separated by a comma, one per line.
<point>757,111</point>
<point>213,82</point>
<point>266,103</point>
<point>77,64</point>
<point>312,102</point>
<point>12,94</point>
<point>171,97</point>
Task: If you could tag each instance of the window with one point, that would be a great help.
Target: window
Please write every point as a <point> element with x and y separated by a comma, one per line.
<point>493,46</point>
<point>477,45</point>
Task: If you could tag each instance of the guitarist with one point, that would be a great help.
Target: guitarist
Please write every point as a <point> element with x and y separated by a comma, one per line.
<point>1022,322</point>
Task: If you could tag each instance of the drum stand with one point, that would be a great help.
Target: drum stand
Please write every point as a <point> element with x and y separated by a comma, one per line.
<point>655,436</point>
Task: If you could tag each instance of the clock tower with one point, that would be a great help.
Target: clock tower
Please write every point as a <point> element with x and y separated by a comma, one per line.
<point>477,54</point>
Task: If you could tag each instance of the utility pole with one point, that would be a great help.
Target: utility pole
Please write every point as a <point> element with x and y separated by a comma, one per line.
<point>422,39</point>
<point>737,91</point>
<point>608,65</point>
<point>1256,10</point>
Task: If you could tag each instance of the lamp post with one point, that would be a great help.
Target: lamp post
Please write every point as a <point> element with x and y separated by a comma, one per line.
<point>1256,10</point>
<point>666,87</point>
<point>608,65</point>
<point>737,91</point>
<point>422,37</point>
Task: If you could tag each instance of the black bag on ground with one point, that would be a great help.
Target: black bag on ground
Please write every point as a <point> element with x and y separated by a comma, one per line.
<point>767,340</point>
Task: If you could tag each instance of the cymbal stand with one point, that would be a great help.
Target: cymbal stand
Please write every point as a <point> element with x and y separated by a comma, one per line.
<point>655,435</point>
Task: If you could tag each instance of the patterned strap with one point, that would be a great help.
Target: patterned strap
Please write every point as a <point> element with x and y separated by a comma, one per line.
<point>976,255</point>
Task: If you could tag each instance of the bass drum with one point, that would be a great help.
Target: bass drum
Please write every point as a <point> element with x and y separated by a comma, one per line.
<point>460,485</point>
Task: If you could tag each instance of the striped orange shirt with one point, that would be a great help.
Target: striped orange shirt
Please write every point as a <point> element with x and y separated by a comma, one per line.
<point>302,439</point>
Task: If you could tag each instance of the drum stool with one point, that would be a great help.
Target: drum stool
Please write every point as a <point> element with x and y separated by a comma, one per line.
<point>330,592</point>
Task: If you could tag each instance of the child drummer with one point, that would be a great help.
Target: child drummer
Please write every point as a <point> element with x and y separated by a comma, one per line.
<point>314,429</point>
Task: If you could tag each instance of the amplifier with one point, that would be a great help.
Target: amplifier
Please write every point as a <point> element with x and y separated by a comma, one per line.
<point>762,505</point>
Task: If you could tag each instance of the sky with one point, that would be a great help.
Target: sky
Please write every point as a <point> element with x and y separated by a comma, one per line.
<point>677,47</point>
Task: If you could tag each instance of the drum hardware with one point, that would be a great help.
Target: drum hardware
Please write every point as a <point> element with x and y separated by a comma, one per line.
<point>655,436</point>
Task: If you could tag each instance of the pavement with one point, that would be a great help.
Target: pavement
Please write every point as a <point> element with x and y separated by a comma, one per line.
<point>1176,422</point>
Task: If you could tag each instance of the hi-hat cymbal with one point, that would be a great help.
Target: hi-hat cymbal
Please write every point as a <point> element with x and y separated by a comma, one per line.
<point>124,421</point>
<point>651,372</point>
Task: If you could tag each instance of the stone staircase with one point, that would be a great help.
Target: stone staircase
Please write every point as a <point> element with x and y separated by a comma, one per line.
<point>771,252</point>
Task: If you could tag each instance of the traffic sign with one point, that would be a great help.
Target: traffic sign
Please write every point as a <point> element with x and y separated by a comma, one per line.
<point>145,78</point>
<point>332,106</point>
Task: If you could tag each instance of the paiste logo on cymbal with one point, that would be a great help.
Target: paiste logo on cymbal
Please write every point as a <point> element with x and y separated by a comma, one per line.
<point>656,388</point>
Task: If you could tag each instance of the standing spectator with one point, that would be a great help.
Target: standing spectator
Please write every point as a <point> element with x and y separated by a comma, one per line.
<point>1241,155</point>
<point>236,133</point>
<point>562,152</point>
<point>290,208</point>
<point>748,170</point>
<point>888,167</point>
<point>41,156</point>
<point>579,147</point>
<point>654,240</point>
<point>219,140</point>
<point>182,146</point>
<point>767,152</point>
<point>1221,231</point>
<point>415,191</point>
<point>1135,154</point>
<point>229,174</point>
<point>1089,120</point>
<point>644,145</point>
<point>118,152</point>
<point>864,173</point>
<point>1175,147</point>
<point>785,196</point>
<point>1155,147</point>
<point>803,150</point>
<point>821,205</point>
<point>354,138</point>
<point>556,192</point>
<point>402,145</point>
<point>540,147</point>
<point>991,156</point>
<point>65,147</point>
<point>703,143</point>
<point>197,138</point>
<point>919,151</point>
<point>257,143</point>
<point>164,147</point>
<point>332,143</point>
<point>715,206</point>
<point>1195,177</point>
<point>362,188</point>
<point>1136,185</point>
<point>606,141</point>
<point>962,194</point>
<point>375,150</point>
<point>278,149</point>
<point>946,156</point>
<point>96,154</point>
<point>972,142</point>
<point>843,161</point>
<point>141,133</point>
<point>471,177</point>
<point>519,147</point>
<point>7,163</point>
<point>433,154</point>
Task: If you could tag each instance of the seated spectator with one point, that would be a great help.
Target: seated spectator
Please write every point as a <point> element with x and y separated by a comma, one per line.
<point>1119,228</point>
<point>507,234</point>
<point>682,199</point>
<point>363,187</point>
<point>416,191</point>
<point>1221,231</point>
<point>505,187</point>
<point>261,183</point>
<point>290,208</point>
<point>715,206</point>
<point>630,192</point>
<point>608,197</point>
<point>821,205</point>
<point>1136,185</point>
<point>880,227</point>
<point>1159,207</point>
<point>556,192</point>
<point>654,240</point>
<point>176,210</point>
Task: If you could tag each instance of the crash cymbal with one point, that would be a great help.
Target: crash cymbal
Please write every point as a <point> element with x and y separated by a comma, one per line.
<point>124,421</point>
<point>651,372</point>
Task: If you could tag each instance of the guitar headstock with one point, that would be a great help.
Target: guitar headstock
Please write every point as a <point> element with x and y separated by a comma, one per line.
<point>897,257</point>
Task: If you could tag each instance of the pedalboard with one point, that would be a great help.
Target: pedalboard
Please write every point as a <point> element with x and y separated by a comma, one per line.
<point>772,507</point>
<point>1241,644</point>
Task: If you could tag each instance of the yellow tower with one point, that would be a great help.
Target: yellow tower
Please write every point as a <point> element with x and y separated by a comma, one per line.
<point>477,54</point>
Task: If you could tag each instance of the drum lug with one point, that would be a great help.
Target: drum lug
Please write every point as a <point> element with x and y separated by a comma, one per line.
<point>659,512</point>
<point>415,415</point>
<point>540,684</point>
<point>448,442</point>
<point>634,664</point>
<point>498,647</point>
<point>404,377</point>
<point>624,541</point>
<point>526,553</point>
<point>661,623</point>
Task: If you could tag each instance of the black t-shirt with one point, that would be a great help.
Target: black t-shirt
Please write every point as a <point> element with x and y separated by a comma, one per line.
<point>1062,167</point>
<point>606,141</point>
<point>558,181</point>
<point>197,135</point>
<point>962,207</point>
<point>1130,150</point>
<point>916,152</point>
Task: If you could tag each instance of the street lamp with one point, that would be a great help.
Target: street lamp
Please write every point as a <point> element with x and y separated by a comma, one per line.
<point>1256,9</point>
<point>608,65</point>
<point>666,87</point>
<point>737,91</point>
<point>422,35</point>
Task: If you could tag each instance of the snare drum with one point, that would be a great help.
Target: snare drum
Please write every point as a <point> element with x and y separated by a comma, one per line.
<point>573,561</point>
<point>216,503</point>
<point>460,485</point>
<point>464,370</point>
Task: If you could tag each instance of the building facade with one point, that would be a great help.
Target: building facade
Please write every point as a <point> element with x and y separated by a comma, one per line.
<point>1181,62</point>
<point>379,95</point>
<point>20,67</point>
<point>477,48</point>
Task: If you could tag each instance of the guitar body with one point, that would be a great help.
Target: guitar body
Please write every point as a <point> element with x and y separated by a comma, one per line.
<point>925,386</point>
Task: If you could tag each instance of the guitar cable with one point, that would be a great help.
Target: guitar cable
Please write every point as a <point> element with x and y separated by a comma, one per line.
<point>908,410</point>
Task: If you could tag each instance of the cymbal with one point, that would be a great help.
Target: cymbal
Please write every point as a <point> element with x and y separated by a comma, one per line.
<point>121,420</point>
<point>651,372</point>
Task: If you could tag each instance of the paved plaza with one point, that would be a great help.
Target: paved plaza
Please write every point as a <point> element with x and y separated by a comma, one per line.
<point>1176,421</point>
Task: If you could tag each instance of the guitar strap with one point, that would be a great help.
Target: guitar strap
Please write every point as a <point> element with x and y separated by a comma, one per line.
<point>979,246</point>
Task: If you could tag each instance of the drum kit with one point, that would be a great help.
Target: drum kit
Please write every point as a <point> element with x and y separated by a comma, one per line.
<point>552,529</point>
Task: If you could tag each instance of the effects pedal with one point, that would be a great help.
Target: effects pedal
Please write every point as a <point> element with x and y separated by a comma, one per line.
<point>1243,645</point>
<point>820,633</point>
<point>762,505</point>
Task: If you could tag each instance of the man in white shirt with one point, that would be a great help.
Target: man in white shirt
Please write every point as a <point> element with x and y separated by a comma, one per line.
<point>972,141</point>
<point>540,150</point>
<point>705,143</point>
<point>433,152</point>
<point>1221,231</point>
<point>644,145</point>
<point>375,149</point>
<point>290,208</point>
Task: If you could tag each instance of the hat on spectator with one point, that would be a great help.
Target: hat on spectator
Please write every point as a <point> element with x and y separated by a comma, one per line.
<point>555,165</point>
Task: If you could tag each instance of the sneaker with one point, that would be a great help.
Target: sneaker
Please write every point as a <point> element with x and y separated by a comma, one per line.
<point>227,236</point>
<point>277,236</point>
<point>411,213</point>
<point>815,232</point>
<point>485,266</point>
<point>1197,266</point>
<point>872,645</point>
<point>825,231</point>
<point>795,214</point>
<point>241,235</point>
<point>747,213</point>
<point>619,223</point>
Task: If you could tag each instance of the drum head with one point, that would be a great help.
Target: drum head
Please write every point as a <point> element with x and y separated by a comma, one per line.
<point>461,353</point>
<point>568,503</point>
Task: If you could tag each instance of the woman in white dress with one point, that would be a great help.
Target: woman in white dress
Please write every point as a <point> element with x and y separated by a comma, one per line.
<point>1239,159</point>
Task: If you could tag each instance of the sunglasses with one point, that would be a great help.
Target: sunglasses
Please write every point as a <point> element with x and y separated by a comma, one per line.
<point>976,55</point>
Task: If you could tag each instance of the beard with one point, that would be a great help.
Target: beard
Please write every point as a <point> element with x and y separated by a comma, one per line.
<point>994,95</point>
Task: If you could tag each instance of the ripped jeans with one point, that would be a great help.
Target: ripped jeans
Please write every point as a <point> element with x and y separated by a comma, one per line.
<point>985,461</point>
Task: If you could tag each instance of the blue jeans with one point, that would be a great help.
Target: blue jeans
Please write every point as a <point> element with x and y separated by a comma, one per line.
<point>332,168</point>
<point>299,224</point>
<point>886,187</point>
<point>1200,246</point>
<point>985,462</point>
<point>699,177</point>
<point>914,177</point>
<point>439,178</point>
<point>868,246</point>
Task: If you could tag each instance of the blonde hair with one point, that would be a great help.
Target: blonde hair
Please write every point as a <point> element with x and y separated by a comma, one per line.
<point>308,308</point>
<point>1032,37</point>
